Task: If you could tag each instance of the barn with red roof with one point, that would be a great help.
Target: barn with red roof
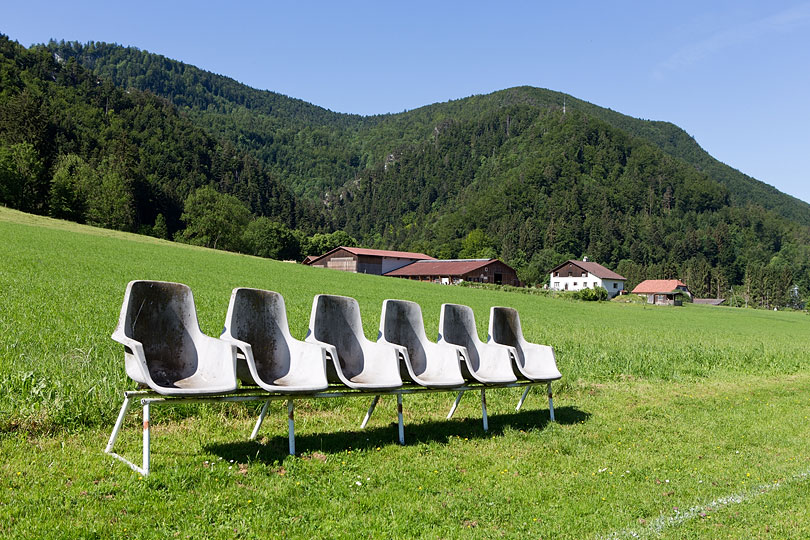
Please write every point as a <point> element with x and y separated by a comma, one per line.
<point>452,271</point>
<point>364,260</point>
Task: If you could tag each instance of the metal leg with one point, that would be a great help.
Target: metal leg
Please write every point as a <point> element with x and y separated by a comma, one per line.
<point>550,404</point>
<point>523,398</point>
<point>145,437</point>
<point>455,404</point>
<point>291,425</point>
<point>484,409</point>
<point>370,411</point>
<point>262,414</point>
<point>400,421</point>
<point>118,424</point>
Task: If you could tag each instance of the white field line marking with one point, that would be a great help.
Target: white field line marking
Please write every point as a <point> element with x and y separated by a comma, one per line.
<point>658,525</point>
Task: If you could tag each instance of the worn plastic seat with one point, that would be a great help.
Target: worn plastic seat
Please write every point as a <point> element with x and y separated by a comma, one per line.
<point>426,363</point>
<point>532,361</point>
<point>164,347</point>
<point>269,356</point>
<point>357,361</point>
<point>487,363</point>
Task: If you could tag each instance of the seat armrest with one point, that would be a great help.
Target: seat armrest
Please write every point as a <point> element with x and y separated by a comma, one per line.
<point>496,348</point>
<point>331,350</point>
<point>401,351</point>
<point>460,350</point>
<point>135,348</point>
<point>218,343</point>
<point>242,346</point>
<point>126,341</point>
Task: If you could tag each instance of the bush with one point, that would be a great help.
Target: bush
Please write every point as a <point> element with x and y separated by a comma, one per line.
<point>597,294</point>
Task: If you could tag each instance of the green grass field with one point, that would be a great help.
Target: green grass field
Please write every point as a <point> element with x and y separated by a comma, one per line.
<point>672,422</point>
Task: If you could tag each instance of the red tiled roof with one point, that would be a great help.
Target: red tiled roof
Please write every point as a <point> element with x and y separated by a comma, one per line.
<point>453,267</point>
<point>592,268</point>
<point>653,286</point>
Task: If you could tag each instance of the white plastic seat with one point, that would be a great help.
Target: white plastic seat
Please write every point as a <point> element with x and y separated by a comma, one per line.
<point>164,347</point>
<point>531,361</point>
<point>426,363</point>
<point>270,357</point>
<point>487,363</point>
<point>357,361</point>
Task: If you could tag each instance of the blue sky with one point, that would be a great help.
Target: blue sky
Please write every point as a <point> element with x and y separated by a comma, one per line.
<point>733,74</point>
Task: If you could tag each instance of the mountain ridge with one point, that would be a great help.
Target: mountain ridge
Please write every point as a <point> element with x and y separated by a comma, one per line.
<point>412,125</point>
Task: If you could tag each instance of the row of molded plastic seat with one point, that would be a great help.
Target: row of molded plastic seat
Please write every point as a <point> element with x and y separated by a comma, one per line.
<point>166,350</point>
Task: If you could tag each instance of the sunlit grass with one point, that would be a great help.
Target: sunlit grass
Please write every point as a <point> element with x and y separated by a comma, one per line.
<point>659,408</point>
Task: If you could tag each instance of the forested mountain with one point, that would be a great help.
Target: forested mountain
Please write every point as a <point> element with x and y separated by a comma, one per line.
<point>507,174</point>
<point>318,150</point>
<point>75,146</point>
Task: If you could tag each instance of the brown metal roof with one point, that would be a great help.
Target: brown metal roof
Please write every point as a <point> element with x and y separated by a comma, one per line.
<point>660,286</point>
<point>709,301</point>
<point>592,268</point>
<point>453,267</point>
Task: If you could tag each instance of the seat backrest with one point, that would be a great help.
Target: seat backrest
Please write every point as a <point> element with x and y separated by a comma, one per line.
<point>458,327</point>
<point>259,318</point>
<point>336,320</point>
<point>402,324</point>
<point>162,317</point>
<point>504,326</point>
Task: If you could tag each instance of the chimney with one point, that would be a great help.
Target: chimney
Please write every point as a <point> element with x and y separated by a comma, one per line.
<point>585,258</point>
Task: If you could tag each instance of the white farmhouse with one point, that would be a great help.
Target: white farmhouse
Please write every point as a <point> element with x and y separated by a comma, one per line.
<point>576,275</point>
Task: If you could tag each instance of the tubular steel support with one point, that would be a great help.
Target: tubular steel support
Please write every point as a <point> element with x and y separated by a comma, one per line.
<point>523,398</point>
<point>455,405</point>
<point>484,409</point>
<point>291,425</point>
<point>400,423</point>
<point>118,424</point>
<point>146,438</point>
<point>149,398</point>
<point>550,404</point>
<point>262,414</point>
<point>370,412</point>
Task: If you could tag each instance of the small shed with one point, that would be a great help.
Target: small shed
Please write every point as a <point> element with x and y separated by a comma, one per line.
<point>665,292</point>
<point>453,271</point>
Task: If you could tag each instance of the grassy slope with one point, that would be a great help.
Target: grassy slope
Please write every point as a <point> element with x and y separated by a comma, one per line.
<point>664,393</point>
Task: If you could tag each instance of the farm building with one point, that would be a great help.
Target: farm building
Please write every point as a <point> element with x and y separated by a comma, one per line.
<point>365,261</point>
<point>454,271</point>
<point>666,292</point>
<point>577,275</point>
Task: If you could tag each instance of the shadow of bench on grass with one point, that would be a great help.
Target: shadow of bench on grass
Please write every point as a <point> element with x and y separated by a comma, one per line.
<point>274,449</point>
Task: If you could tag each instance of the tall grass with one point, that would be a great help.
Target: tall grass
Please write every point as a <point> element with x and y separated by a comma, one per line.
<point>62,287</point>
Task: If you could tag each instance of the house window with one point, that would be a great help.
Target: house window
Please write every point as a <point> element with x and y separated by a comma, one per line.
<point>575,284</point>
<point>584,274</point>
<point>556,284</point>
<point>570,274</point>
<point>615,285</point>
<point>556,274</point>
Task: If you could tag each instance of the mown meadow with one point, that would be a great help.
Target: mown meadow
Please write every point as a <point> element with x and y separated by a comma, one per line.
<point>672,422</point>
